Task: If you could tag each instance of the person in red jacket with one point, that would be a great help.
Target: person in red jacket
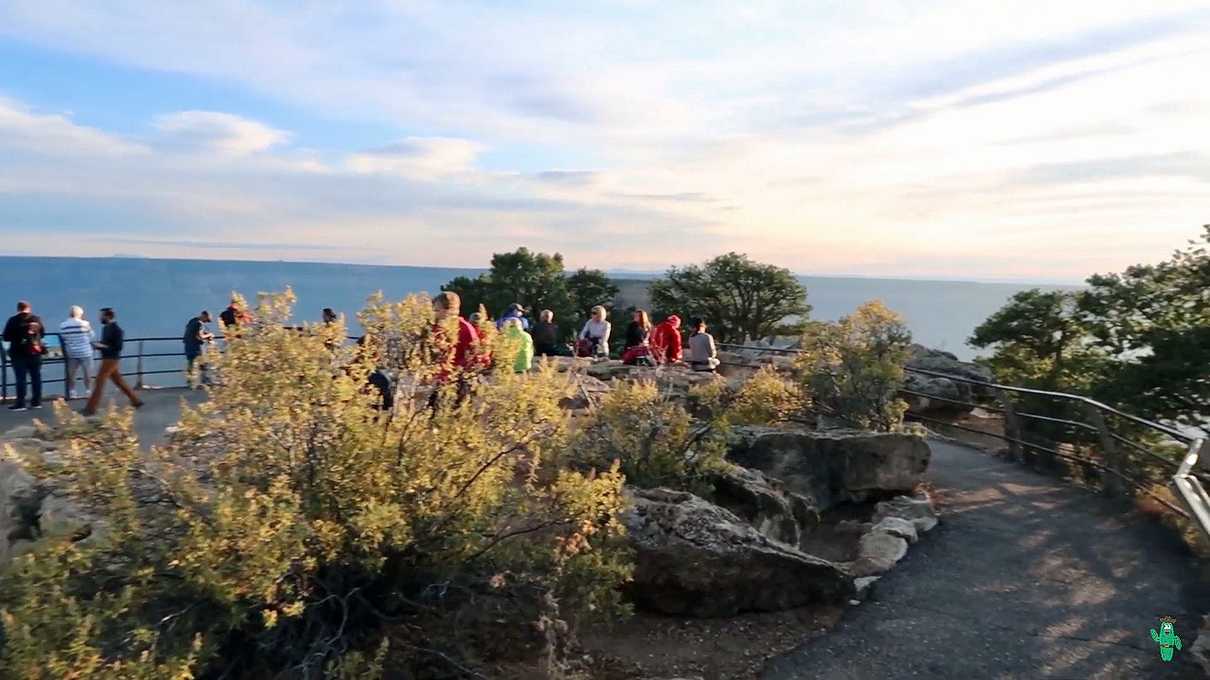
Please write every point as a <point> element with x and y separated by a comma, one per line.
<point>456,339</point>
<point>666,340</point>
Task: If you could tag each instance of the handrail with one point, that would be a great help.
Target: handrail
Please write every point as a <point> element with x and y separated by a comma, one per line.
<point>1188,486</point>
<point>1175,434</point>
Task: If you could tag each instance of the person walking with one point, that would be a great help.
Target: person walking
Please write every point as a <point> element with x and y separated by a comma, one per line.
<point>76,338</point>
<point>666,340</point>
<point>703,355</point>
<point>546,334</point>
<point>23,333</point>
<point>112,337</point>
<point>516,336</point>
<point>197,336</point>
<point>515,311</point>
<point>594,337</point>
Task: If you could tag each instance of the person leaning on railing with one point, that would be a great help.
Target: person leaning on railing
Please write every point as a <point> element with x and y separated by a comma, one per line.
<point>112,337</point>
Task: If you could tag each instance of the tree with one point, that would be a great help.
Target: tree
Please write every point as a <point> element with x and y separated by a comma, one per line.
<point>737,297</point>
<point>290,529</point>
<point>537,281</point>
<point>1154,320</point>
<point>1139,340</point>
<point>1041,340</point>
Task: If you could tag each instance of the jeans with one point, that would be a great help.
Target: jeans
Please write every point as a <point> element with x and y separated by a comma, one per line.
<point>202,376</point>
<point>74,365</point>
<point>28,370</point>
<point>110,370</point>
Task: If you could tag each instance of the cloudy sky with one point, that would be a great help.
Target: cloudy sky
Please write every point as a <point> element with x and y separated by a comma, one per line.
<point>1017,140</point>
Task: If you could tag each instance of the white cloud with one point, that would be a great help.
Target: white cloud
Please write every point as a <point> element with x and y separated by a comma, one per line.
<point>219,132</point>
<point>419,158</point>
<point>54,134</point>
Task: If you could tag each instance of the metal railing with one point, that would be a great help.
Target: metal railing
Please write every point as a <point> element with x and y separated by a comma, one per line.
<point>1181,474</point>
<point>138,364</point>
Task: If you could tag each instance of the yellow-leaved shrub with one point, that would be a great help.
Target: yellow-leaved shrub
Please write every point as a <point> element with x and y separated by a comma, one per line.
<point>290,528</point>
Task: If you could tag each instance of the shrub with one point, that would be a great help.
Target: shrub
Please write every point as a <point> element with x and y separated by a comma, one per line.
<point>290,529</point>
<point>652,438</point>
<point>854,368</point>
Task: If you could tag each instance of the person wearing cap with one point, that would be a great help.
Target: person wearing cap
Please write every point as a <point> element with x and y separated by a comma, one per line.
<point>515,311</point>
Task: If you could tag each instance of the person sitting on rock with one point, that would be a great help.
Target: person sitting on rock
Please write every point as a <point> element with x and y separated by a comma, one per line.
<point>666,340</point>
<point>703,355</point>
<point>594,338</point>
<point>546,334</point>
<point>516,336</point>
<point>638,334</point>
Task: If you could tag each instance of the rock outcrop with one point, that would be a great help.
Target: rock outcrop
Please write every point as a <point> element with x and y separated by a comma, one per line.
<point>764,503</point>
<point>696,558</point>
<point>940,392</point>
<point>834,466</point>
<point>896,524</point>
<point>29,509</point>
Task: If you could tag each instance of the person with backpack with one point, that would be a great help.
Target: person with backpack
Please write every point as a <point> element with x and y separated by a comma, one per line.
<point>666,340</point>
<point>112,337</point>
<point>197,336</point>
<point>594,337</point>
<point>23,333</point>
<point>76,338</point>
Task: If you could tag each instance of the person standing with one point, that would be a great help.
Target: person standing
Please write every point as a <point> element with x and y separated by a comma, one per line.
<point>666,340</point>
<point>76,337</point>
<point>112,337</point>
<point>546,334</point>
<point>594,337</point>
<point>197,336</point>
<point>23,333</point>
<point>703,355</point>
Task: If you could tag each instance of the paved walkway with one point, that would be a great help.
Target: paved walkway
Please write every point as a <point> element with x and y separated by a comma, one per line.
<point>161,409</point>
<point>1026,577</point>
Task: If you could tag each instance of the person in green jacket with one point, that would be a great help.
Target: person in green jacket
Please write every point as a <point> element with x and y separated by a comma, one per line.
<point>525,345</point>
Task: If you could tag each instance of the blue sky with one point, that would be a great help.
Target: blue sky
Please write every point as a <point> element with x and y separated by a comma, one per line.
<point>994,140</point>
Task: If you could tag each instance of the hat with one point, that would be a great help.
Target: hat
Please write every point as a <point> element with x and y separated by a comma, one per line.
<point>516,307</point>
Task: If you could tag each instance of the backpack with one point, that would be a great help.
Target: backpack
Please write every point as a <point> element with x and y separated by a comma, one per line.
<point>639,355</point>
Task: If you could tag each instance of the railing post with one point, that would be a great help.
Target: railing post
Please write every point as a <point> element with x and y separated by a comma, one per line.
<point>1012,425</point>
<point>138,384</point>
<point>1109,451</point>
<point>3,372</point>
<point>66,372</point>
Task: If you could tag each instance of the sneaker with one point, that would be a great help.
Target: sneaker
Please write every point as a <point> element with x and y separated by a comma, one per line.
<point>137,404</point>
<point>38,405</point>
<point>17,407</point>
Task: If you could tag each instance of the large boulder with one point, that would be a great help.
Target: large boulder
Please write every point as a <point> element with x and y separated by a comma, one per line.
<point>939,391</point>
<point>834,466</point>
<point>764,503</point>
<point>696,558</point>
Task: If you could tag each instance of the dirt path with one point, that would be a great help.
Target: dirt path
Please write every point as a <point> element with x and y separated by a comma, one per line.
<point>1026,577</point>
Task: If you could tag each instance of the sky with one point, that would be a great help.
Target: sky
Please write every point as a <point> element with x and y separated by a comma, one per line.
<point>1022,140</point>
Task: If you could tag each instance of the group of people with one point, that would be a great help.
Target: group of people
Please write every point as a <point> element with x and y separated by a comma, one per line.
<point>25,334</point>
<point>645,343</point>
<point>651,344</point>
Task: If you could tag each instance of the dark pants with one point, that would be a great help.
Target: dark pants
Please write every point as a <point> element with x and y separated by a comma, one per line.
<point>29,371</point>
<point>386,390</point>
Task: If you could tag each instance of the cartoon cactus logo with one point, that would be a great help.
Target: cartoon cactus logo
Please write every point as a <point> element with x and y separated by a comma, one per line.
<point>1166,638</point>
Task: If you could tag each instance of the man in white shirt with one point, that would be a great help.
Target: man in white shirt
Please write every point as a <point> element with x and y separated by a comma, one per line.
<point>77,338</point>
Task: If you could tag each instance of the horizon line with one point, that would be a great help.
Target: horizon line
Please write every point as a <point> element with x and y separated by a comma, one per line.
<point>617,274</point>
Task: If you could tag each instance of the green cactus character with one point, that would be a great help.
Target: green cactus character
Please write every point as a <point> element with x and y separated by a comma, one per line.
<point>1166,638</point>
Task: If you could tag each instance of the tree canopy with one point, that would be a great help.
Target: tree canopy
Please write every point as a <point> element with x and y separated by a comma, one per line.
<point>737,296</point>
<point>1139,339</point>
<point>537,281</point>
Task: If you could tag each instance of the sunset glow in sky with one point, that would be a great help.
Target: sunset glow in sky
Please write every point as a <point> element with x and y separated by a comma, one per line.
<point>992,140</point>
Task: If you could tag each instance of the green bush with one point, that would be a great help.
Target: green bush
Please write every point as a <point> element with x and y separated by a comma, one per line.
<point>854,368</point>
<point>291,530</point>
